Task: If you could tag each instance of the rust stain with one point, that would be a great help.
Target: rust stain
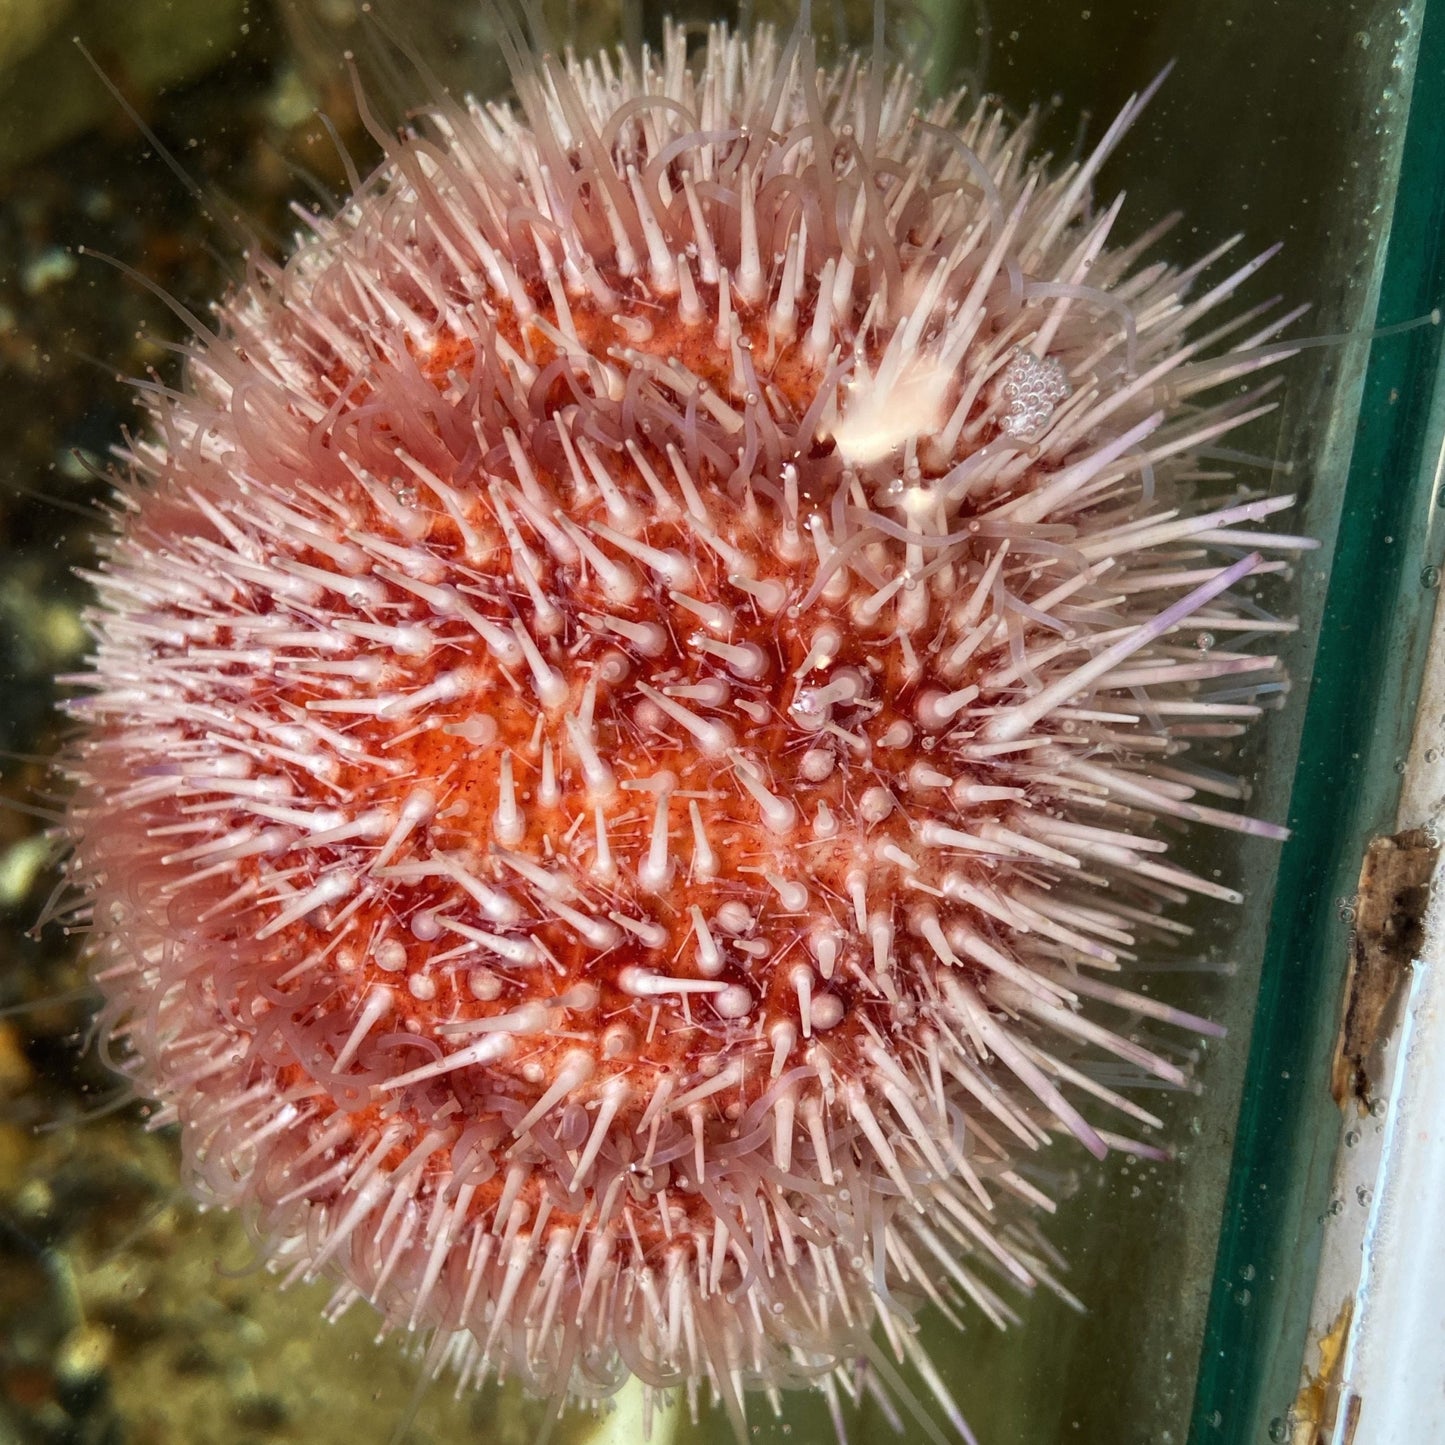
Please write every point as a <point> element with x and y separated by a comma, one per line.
<point>1352,1419</point>
<point>1312,1416</point>
<point>1389,930</point>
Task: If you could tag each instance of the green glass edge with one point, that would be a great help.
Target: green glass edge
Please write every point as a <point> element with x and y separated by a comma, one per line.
<point>1357,729</point>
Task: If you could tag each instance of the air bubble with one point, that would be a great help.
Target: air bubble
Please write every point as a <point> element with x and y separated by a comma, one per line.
<point>1031,387</point>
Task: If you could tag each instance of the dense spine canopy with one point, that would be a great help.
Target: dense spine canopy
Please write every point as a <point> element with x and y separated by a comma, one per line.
<point>633,692</point>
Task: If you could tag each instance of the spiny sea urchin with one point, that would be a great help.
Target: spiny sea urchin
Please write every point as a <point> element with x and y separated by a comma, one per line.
<point>633,688</point>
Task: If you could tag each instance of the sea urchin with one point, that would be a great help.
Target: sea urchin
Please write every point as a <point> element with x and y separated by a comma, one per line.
<point>634,684</point>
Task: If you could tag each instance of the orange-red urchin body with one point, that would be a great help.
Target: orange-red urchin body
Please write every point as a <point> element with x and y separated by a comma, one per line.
<point>633,687</point>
